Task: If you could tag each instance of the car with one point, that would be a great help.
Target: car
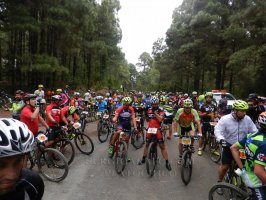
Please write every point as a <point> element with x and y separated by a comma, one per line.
<point>230,98</point>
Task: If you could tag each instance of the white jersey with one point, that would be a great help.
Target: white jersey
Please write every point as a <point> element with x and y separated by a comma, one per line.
<point>233,130</point>
<point>87,96</point>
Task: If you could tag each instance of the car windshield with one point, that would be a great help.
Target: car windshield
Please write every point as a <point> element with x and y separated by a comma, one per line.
<point>217,97</point>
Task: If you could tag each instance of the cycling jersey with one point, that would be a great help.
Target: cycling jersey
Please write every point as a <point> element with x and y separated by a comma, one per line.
<point>25,117</point>
<point>29,187</point>
<point>168,114</point>
<point>207,108</point>
<point>101,106</point>
<point>64,112</point>
<point>118,104</point>
<point>186,119</point>
<point>124,117</point>
<point>138,107</point>
<point>64,99</point>
<point>54,110</point>
<point>16,109</point>
<point>255,148</point>
<point>233,130</point>
<point>76,102</point>
<point>153,122</point>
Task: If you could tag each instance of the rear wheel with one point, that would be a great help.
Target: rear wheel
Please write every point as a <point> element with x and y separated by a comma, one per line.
<point>214,150</point>
<point>186,167</point>
<point>151,159</point>
<point>137,138</point>
<point>120,157</point>
<point>52,165</point>
<point>84,144</point>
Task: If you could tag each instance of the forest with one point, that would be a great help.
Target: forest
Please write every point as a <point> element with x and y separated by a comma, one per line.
<point>211,44</point>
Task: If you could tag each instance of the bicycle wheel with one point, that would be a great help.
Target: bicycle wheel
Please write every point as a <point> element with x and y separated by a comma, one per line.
<point>103,133</point>
<point>214,150</point>
<point>228,192</point>
<point>137,139</point>
<point>121,157</point>
<point>52,164</point>
<point>66,148</point>
<point>151,159</point>
<point>84,144</point>
<point>186,167</point>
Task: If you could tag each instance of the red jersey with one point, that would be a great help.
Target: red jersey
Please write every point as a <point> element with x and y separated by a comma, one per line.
<point>153,122</point>
<point>33,125</point>
<point>64,112</point>
<point>54,110</point>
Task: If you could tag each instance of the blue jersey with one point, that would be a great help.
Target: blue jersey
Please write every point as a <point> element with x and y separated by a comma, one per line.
<point>101,106</point>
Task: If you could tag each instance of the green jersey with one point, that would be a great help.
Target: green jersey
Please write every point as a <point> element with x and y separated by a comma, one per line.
<point>255,148</point>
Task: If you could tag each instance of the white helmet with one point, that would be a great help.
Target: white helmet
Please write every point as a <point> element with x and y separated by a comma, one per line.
<point>15,138</point>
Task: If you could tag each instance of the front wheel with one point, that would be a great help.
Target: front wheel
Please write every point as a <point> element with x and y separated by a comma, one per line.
<point>151,159</point>
<point>120,157</point>
<point>103,133</point>
<point>186,167</point>
<point>52,164</point>
<point>66,148</point>
<point>227,191</point>
<point>84,144</point>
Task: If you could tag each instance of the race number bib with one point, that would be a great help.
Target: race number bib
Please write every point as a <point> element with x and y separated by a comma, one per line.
<point>152,130</point>
<point>186,141</point>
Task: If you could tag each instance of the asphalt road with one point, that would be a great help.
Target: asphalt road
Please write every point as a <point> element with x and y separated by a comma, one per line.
<point>94,177</point>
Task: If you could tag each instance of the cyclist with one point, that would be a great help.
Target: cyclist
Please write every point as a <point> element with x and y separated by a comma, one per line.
<point>17,104</point>
<point>139,108</point>
<point>184,120</point>
<point>155,117</point>
<point>253,169</point>
<point>39,92</point>
<point>76,101</point>
<point>230,129</point>
<point>207,113</point>
<point>64,99</point>
<point>124,115</point>
<point>195,100</point>
<point>53,117</point>
<point>255,108</point>
<point>17,183</point>
<point>66,112</point>
<point>167,107</point>
<point>101,104</point>
<point>30,114</point>
<point>118,101</point>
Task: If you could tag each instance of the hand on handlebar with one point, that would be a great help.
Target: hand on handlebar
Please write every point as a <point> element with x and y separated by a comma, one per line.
<point>223,143</point>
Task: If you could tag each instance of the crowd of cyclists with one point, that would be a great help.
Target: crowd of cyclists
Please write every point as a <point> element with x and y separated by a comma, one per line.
<point>242,127</point>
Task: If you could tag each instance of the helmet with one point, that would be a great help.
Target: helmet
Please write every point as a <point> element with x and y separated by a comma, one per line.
<point>253,96</point>
<point>58,91</point>
<point>240,105</point>
<point>76,94</point>
<point>188,103</point>
<point>16,138</point>
<point>71,110</point>
<point>162,99</point>
<point>120,96</point>
<point>20,92</point>
<point>194,93</point>
<point>126,100</point>
<point>107,94</point>
<point>154,100</point>
<point>139,95</point>
<point>56,97</point>
<point>186,95</point>
<point>29,96</point>
<point>40,86</point>
<point>208,94</point>
<point>262,118</point>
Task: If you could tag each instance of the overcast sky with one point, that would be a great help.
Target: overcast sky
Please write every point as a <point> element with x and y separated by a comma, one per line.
<point>142,23</point>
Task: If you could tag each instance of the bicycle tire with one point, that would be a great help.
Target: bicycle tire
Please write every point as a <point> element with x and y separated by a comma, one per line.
<point>137,139</point>
<point>186,166</point>
<point>214,148</point>
<point>151,159</point>
<point>232,193</point>
<point>68,152</point>
<point>81,143</point>
<point>52,163</point>
<point>120,157</point>
<point>103,133</point>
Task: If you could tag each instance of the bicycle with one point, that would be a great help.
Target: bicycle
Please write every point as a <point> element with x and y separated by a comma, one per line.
<point>152,156</point>
<point>186,162</point>
<point>82,118</point>
<point>50,162</point>
<point>228,191</point>
<point>82,141</point>
<point>120,152</point>
<point>103,128</point>
<point>137,137</point>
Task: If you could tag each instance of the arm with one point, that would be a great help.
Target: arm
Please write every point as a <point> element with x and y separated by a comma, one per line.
<point>260,172</point>
<point>235,152</point>
<point>43,122</point>
<point>35,114</point>
<point>159,117</point>
<point>219,130</point>
<point>199,126</point>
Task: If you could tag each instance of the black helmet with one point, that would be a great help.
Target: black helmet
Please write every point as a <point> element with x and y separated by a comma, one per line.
<point>29,96</point>
<point>253,96</point>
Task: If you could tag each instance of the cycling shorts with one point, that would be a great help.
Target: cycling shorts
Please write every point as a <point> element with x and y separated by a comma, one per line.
<point>56,130</point>
<point>259,193</point>
<point>227,156</point>
<point>159,137</point>
<point>183,130</point>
